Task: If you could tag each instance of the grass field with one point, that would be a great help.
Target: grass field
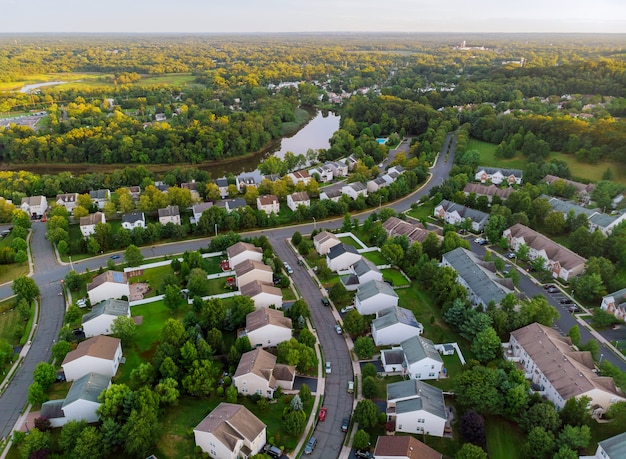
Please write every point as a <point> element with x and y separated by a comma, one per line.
<point>584,171</point>
<point>9,272</point>
<point>504,438</point>
<point>349,240</point>
<point>302,116</point>
<point>395,277</point>
<point>11,322</point>
<point>425,211</point>
<point>153,277</point>
<point>376,258</point>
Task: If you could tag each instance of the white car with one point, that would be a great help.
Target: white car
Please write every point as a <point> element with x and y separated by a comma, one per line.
<point>287,268</point>
<point>347,308</point>
<point>338,329</point>
<point>480,240</point>
<point>328,369</point>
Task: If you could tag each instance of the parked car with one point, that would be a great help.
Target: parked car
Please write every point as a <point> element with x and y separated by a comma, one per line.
<point>547,286</point>
<point>345,424</point>
<point>347,308</point>
<point>272,451</point>
<point>328,368</point>
<point>325,301</point>
<point>322,414</point>
<point>566,301</point>
<point>350,387</point>
<point>553,289</point>
<point>511,255</point>
<point>277,279</point>
<point>287,268</point>
<point>573,309</point>
<point>480,240</point>
<point>338,329</point>
<point>114,257</point>
<point>363,454</point>
<point>310,445</point>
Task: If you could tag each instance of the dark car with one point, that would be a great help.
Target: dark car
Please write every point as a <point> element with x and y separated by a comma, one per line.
<point>277,279</point>
<point>272,451</point>
<point>566,301</point>
<point>573,309</point>
<point>548,286</point>
<point>114,257</point>
<point>325,301</point>
<point>345,424</point>
<point>364,454</point>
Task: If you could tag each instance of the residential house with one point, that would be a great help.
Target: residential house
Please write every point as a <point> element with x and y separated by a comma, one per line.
<point>100,354</point>
<point>558,371</point>
<point>193,189</point>
<point>341,257</point>
<point>300,177</point>
<point>421,360</point>
<point>232,204</point>
<point>258,373</point>
<point>100,197</point>
<point>135,192</point>
<point>376,184</point>
<point>35,206</point>
<point>268,204</point>
<point>300,198</point>
<point>351,161</point>
<point>109,284</point>
<point>354,190</point>
<point>244,181</point>
<point>67,200</point>
<point>263,295</point>
<point>416,407</point>
<point>496,175</point>
<point>488,190</point>
<point>163,187</point>
<point>324,241</point>
<point>583,190</point>
<point>611,448</point>
<point>198,210</point>
<point>362,272</point>
<point>403,447</point>
<point>478,277</point>
<point>374,296</point>
<point>338,168</point>
<point>160,117</point>
<point>89,222</point>
<point>251,270</point>
<point>562,262</point>
<point>222,184</point>
<point>81,402</point>
<point>169,214</point>
<point>415,232</point>
<point>100,320</point>
<point>133,220</point>
<point>455,214</point>
<point>230,432</point>
<point>395,325</point>
<point>324,173</point>
<point>615,304</point>
<point>333,195</point>
<point>596,218</point>
<point>242,251</point>
<point>267,327</point>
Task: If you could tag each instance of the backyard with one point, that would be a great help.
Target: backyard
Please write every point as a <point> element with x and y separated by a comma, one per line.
<point>394,277</point>
<point>375,257</point>
<point>11,322</point>
<point>10,271</point>
<point>503,438</point>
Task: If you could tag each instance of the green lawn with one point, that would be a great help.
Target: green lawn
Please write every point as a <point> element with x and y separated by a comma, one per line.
<point>349,240</point>
<point>154,278</point>
<point>217,286</point>
<point>375,257</point>
<point>504,438</point>
<point>10,271</point>
<point>11,322</point>
<point>487,156</point>
<point>302,116</point>
<point>395,277</point>
<point>605,430</point>
<point>288,294</point>
<point>425,211</point>
<point>212,265</point>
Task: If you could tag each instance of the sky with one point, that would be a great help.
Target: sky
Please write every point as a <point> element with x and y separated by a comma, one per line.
<point>248,16</point>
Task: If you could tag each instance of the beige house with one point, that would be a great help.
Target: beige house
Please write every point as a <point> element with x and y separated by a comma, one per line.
<point>67,200</point>
<point>615,304</point>
<point>301,198</point>
<point>169,214</point>
<point>109,284</point>
<point>324,241</point>
<point>100,354</point>
<point>242,251</point>
<point>488,190</point>
<point>267,327</point>
<point>258,373</point>
<point>268,204</point>
<point>263,295</point>
<point>230,432</point>
<point>300,176</point>
<point>89,222</point>
<point>251,270</point>
<point>558,371</point>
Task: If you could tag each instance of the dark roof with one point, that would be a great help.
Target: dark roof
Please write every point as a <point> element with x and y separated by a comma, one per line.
<point>169,211</point>
<point>88,387</point>
<point>133,217</point>
<point>109,307</point>
<point>340,249</point>
<point>615,446</point>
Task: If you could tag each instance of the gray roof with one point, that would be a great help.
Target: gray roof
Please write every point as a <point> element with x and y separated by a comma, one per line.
<point>416,349</point>
<point>332,193</point>
<point>505,172</point>
<point>395,315</point>
<point>99,194</point>
<point>221,182</point>
<point>364,266</point>
<point>340,249</point>
<point>200,208</point>
<point>603,220</point>
<point>88,387</point>
<point>484,283</point>
<point>393,356</point>
<point>52,409</point>
<point>420,396</point>
<point>236,203</point>
<point>109,307</point>
<point>169,211</point>
<point>373,288</point>
<point>358,186</point>
<point>465,212</point>
<point>133,217</point>
<point>558,205</point>
<point>615,446</point>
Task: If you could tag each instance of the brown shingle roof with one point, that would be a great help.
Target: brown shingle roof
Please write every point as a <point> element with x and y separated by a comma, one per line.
<point>268,199</point>
<point>580,187</point>
<point>230,423</point>
<point>323,236</point>
<point>404,446</point>
<point>488,190</point>
<point>254,288</point>
<point>300,196</point>
<point>248,265</point>
<point>258,362</point>
<point>91,219</point>
<point>107,276</point>
<point>266,316</point>
<point>414,232</point>
<point>103,347</point>
<point>241,247</point>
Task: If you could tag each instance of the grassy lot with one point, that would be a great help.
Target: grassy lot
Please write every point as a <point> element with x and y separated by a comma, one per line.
<point>43,78</point>
<point>217,286</point>
<point>9,272</point>
<point>153,277</point>
<point>288,294</point>
<point>382,383</point>
<point>349,240</point>
<point>376,258</point>
<point>11,322</point>
<point>395,277</point>
<point>302,116</point>
<point>606,430</point>
<point>176,79</point>
<point>453,366</point>
<point>504,438</point>
<point>424,211</point>
<point>212,265</point>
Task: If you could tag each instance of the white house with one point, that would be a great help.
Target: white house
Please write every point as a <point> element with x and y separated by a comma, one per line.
<point>109,284</point>
<point>395,325</point>
<point>455,214</point>
<point>267,327</point>
<point>341,257</point>
<point>559,372</point>
<point>230,432</point>
<point>100,320</point>
<point>361,272</point>
<point>81,403</point>
<point>100,197</point>
<point>263,295</point>
<point>403,447</point>
<point>300,177</point>
<point>325,173</point>
<point>268,204</point>
<point>354,190</point>
<point>324,241</point>
<point>89,222</point>
<point>242,251</point>
<point>416,407</point>
<point>339,168</point>
<point>258,373</point>
<point>133,220</point>
<point>376,184</point>
<point>169,214</point>
<point>300,198</point>
<point>135,192</point>
<point>251,270</point>
<point>67,200</point>
<point>563,263</point>
<point>333,195</point>
<point>244,181</point>
<point>222,184</point>
<point>497,176</point>
<point>35,206</point>
<point>615,303</point>
<point>198,209</point>
<point>611,448</point>
<point>193,190</point>
<point>374,296</point>
<point>232,204</point>
<point>100,354</point>
<point>419,359</point>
